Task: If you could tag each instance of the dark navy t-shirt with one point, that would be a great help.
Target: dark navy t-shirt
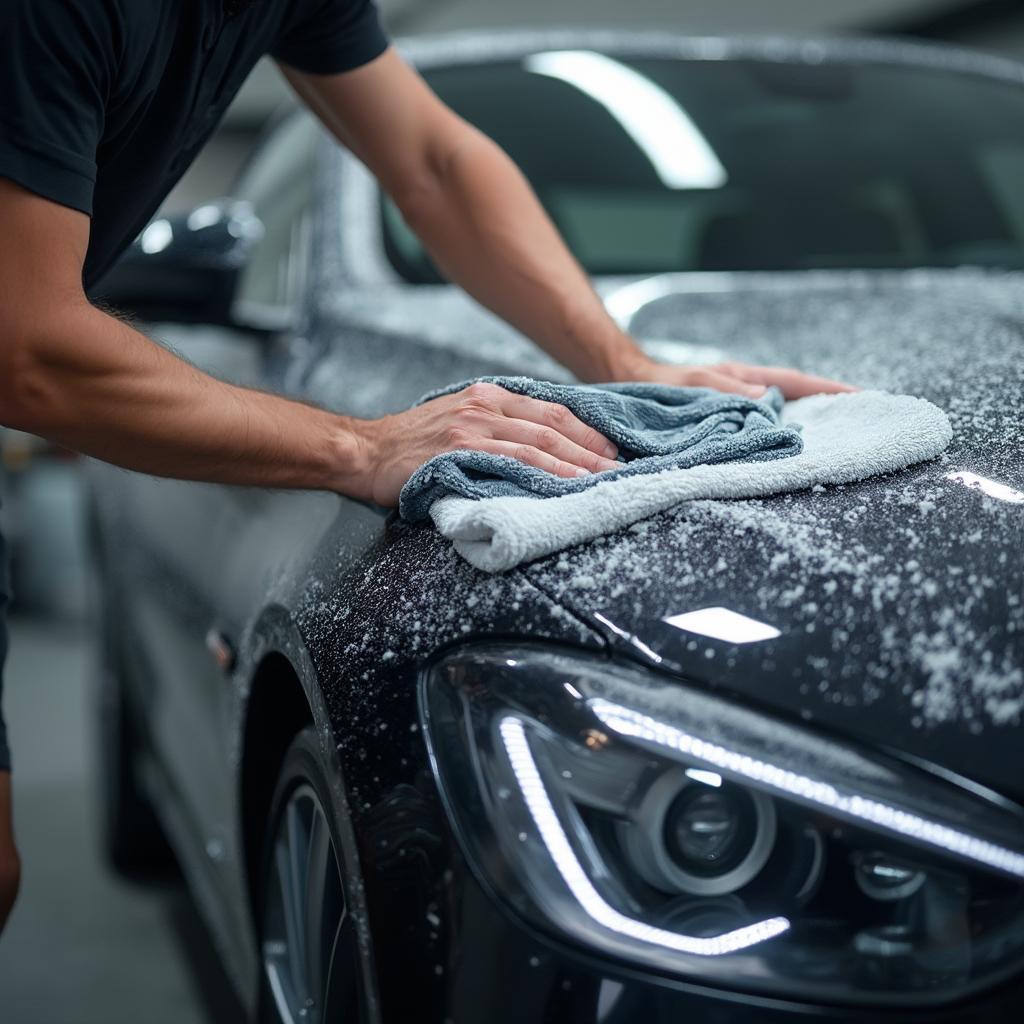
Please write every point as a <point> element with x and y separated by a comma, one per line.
<point>104,103</point>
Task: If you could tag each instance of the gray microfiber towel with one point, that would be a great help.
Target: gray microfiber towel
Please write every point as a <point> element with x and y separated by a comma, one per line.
<point>655,427</point>
<point>846,438</point>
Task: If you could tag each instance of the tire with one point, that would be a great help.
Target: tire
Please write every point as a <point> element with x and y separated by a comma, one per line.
<point>310,966</point>
<point>133,841</point>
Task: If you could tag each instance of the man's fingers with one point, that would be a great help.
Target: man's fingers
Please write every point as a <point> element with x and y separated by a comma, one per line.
<point>792,383</point>
<point>548,439</point>
<point>720,381</point>
<point>558,418</point>
<point>533,457</point>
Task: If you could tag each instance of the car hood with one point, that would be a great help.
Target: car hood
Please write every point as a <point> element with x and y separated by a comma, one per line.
<point>898,601</point>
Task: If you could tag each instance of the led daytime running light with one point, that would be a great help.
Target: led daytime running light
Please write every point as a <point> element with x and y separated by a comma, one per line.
<point>639,726</point>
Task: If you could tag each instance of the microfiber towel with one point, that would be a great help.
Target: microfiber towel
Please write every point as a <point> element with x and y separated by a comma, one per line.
<point>655,427</point>
<point>846,438</point>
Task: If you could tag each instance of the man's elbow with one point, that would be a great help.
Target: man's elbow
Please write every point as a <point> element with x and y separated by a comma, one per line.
<point>28,391</point>
<point>418,198</point>
<point>440,173</point>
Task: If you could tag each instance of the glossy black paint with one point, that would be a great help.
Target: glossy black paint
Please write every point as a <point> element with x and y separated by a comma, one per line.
<point>353,604</point>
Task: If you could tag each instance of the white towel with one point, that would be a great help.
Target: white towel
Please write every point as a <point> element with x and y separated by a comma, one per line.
<point>847,437</point>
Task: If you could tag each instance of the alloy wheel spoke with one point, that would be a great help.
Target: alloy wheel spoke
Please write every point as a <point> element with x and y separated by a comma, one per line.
<point>307,949</point>
<point>319,862</point>
<point>277,958</point>
<point>292,926</point>
<point>298,815</point>
<point>340,979</point>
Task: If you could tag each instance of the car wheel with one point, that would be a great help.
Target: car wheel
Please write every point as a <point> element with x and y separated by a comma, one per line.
<point>132,837</point>
<point>310,963</point>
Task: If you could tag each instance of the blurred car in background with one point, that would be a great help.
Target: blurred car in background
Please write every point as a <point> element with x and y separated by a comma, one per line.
<point>746,760</point>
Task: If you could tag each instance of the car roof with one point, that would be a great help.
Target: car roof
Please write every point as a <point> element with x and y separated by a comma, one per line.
<point>476,47</point>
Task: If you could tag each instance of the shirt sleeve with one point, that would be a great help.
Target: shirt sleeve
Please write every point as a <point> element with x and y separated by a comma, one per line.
<point>54,79</point>
<point>325,37</point>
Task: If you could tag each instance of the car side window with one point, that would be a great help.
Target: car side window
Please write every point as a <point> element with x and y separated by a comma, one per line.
<point>279,186</point>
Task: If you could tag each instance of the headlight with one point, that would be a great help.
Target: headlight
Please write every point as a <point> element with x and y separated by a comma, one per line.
<point>632,816</point>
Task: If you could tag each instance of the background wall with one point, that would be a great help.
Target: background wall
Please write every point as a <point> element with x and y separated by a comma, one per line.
<point>685,15</point>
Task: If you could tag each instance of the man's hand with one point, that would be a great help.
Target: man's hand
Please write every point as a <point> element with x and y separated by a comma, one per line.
<point>487,418</point>
<point>738,378</point>
<point>483,417</point>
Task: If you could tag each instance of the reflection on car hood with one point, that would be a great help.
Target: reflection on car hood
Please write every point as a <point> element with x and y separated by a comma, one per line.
<point>899,601</point>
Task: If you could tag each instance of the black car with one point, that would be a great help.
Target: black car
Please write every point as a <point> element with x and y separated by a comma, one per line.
<point>748,760</point>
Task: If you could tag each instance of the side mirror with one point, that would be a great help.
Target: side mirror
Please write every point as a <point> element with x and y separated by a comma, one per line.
<point>185,268</point>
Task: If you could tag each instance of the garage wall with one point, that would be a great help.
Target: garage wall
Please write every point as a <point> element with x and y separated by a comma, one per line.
<point>684,15</point>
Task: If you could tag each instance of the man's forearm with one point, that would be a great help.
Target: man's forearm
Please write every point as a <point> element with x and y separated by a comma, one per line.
<point>485,228</point>
<point>90,382</point>
<point>472,208</point>
<point>479,218</point>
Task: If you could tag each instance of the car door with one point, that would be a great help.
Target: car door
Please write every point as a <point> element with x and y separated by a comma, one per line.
<point>183,628</point>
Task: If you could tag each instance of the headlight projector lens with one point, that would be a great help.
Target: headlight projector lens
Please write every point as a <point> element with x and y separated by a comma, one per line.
<point>884,878</point>
<point>694,838</point>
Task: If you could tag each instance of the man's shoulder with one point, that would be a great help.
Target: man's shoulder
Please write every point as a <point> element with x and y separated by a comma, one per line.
<point>37,21</point>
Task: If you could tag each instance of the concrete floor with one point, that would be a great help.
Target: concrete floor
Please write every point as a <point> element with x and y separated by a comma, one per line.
<point>82,946</point>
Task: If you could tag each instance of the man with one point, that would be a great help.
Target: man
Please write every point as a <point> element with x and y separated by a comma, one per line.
<point>105,103</point>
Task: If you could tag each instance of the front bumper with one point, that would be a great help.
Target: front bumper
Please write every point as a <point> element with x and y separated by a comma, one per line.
<point>499,972</point>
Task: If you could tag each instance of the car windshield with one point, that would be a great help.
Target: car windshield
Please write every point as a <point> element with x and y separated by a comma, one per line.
<point>655,165</point>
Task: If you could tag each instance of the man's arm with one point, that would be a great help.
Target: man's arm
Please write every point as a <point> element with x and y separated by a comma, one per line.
<point>478,217</point>
<point>81,378</point>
